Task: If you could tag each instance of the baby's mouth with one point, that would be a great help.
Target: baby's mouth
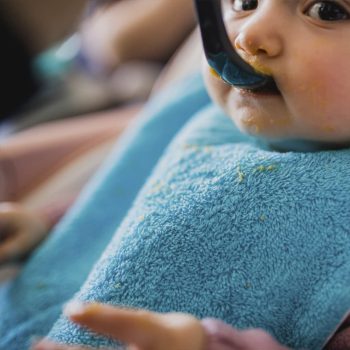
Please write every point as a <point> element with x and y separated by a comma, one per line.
<point>268,89</point>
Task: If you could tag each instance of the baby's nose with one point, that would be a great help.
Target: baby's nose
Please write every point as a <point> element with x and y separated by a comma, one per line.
<point>254,44</point>
<point>261,34</point>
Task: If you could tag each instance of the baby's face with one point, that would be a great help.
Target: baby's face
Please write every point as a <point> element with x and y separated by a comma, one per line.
<point>305,46</point>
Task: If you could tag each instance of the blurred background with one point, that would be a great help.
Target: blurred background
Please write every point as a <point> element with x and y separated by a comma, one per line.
<point>62,58</point>
<point>74,74</point>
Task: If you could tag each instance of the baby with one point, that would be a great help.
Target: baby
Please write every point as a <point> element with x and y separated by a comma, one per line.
<point>304,46</point>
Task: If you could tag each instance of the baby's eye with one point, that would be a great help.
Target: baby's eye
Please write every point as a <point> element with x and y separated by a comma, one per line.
<point>244,5</point>
<point>327,11</point>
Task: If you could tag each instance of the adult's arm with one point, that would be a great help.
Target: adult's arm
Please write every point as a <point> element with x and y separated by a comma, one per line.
<point>117,31</point>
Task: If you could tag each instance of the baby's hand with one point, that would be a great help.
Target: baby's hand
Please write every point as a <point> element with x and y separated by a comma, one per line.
<point>20,231</point>
<point>142,330</point>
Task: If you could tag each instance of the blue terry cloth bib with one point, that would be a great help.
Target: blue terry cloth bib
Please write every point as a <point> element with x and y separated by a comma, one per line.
<point>226,229</point>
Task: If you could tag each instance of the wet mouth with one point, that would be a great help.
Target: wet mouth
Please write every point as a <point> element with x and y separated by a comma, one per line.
<point>269,89</point>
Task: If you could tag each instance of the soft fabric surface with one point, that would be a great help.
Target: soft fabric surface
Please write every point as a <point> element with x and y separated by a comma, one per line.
<point>227,229</point>
<point>31,304</point>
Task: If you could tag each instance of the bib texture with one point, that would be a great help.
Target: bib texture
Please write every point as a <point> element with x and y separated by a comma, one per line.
<point>225,228</point>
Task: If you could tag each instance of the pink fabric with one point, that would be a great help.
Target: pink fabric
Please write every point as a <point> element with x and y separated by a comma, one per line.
<point>220,335</point>
<point>341,339</point>
<point>30,157</point>
<point>224,337</point>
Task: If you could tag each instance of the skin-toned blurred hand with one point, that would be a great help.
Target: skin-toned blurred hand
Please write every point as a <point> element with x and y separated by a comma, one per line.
<point>20,231</point>
<point>121,31</point>
<point>144,330</point>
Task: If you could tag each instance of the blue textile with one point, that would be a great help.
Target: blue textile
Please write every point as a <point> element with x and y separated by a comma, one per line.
<point>32,303</point>
<point>226,229</point>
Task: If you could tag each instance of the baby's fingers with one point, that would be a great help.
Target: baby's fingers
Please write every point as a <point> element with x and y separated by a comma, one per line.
<point>12,248</point>
<point>143,329</point>
<point>18,241</point>
<point>20,231</point>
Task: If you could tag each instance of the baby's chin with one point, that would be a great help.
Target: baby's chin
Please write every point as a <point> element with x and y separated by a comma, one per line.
<point>277,126</point>
<point>282,138</point>
<point>288,141</point>
<point>267,128</point>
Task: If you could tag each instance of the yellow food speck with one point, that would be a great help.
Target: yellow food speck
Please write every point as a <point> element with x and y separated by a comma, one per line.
<point>191,147</point>
<point>262,168</point>
<point>214,73</point>
<point>328,128</point>
<point>247,285</point>
<point>258,66</point>
<point>156,187</point>
<point>208,149</point>
<point>240,174</point>
<point>41,285</point>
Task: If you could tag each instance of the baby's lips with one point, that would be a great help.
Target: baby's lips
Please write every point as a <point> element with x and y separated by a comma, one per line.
<point>255,62</point>
<point>258,66</point>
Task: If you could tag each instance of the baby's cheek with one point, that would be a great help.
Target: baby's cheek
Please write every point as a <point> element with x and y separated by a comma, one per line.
<point>321,107</point>
<point>218,90</point>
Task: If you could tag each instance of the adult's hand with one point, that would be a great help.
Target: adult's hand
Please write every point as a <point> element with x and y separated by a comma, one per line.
<point>120,31</point>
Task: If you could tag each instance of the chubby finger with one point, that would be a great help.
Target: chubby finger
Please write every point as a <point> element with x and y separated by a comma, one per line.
<point>20,242</point>
<point>11,213</point>
<point>12,248</point>
<point>8,221</point>
<point>21,231</point>
<point>143,329</point>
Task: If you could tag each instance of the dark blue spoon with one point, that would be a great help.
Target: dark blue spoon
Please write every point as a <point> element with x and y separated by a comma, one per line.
<point>220,54</point>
